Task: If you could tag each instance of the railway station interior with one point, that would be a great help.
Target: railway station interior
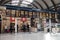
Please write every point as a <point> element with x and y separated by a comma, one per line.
<point>29,19</point>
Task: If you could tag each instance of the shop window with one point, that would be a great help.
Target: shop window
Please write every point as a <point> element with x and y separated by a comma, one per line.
<point>44,15</point>
<point>30,14</point>
<point>38,14</point>
<point>53,15</point>
<point>12,25</point>
<point>47,20</point>
<point>32,22</point>
<point>41,15</point>
<point>17,13</point>
<point>34,14</point>
<point>8,12</point>
<point>26,13</point>
<point>53,20</point>
<point>22,13</point>
<point>47,15</point>
<point>58,16</point>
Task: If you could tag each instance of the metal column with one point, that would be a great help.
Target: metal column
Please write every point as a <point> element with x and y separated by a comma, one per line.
<point>16,25</point>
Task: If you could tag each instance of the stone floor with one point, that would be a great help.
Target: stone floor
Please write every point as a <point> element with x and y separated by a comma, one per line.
<point>30,36</point>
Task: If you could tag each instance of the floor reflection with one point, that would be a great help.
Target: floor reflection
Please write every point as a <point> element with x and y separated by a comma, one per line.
<point>30,36</point>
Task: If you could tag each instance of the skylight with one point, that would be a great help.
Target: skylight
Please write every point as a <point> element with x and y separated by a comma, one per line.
<point>14,2</point>
<point>23,5</point>
<point>27,2</point>
<point>24,2</point>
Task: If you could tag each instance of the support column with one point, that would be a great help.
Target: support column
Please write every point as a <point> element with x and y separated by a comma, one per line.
<point>16,25</point>
<point>50,25</point>
<point>50,22</point>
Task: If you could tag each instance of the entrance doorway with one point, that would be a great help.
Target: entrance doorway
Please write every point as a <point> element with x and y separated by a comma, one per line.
<point>12,28</point>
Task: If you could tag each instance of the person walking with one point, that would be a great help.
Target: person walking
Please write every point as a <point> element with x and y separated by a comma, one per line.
<point>6,28</point>
<point>11,28</point>
<point>27,27</point>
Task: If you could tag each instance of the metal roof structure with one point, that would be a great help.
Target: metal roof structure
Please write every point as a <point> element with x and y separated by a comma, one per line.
<point>39,4</point>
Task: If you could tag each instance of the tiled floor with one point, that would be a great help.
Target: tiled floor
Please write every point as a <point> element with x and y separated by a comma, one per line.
<point>30,36</point>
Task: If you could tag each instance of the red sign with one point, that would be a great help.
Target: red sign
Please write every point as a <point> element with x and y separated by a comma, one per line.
<point>12,19</point>
<point>23,19</point>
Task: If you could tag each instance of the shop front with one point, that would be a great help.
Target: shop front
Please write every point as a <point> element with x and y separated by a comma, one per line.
<point>15,19</point>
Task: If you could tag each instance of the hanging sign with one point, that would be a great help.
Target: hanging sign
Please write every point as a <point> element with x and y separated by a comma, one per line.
<point>12,19</point>
<point>23,19</point>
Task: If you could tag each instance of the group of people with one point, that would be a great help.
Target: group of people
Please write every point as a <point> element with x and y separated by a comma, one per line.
<point>25,27</point>
<point>10,29</point>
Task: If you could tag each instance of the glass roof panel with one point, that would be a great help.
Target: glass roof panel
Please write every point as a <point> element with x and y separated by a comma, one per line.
<point>49,2</point>
<point>57,1</point>
<point>24,2</point>
<point>28,0</point>
<point>14,2</point>
<point>42,4</point>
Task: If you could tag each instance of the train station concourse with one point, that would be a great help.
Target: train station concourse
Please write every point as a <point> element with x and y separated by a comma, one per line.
<point>29,19</point>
